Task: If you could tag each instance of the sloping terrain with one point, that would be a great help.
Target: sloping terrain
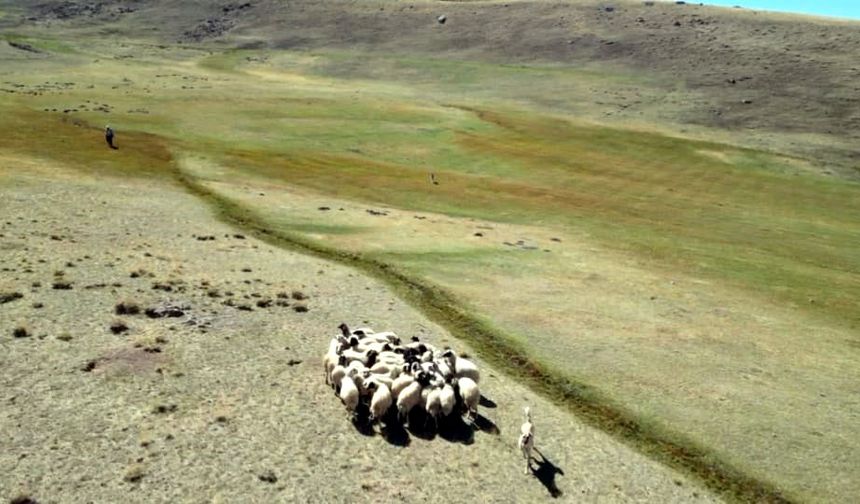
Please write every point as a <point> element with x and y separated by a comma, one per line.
<point>653,225</point>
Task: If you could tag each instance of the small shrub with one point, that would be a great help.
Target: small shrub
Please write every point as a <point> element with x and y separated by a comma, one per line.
<point>300,308</point>
<point>21,331</point>
<point>65,337</point>
<point>62,285</point>
<point>23,499</point>
<point>8,297</point>
<point>127,308</point>
<point>299,295</point>
<point>118,327</point>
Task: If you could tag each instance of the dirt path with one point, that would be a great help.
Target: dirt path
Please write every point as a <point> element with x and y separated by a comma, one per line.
<point>226,403</point>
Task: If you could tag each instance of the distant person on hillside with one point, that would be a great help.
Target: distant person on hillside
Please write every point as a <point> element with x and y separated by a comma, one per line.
<point>109,137</point>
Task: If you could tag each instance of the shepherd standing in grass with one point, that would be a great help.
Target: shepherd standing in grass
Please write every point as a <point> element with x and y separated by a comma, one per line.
<point>109,136</point>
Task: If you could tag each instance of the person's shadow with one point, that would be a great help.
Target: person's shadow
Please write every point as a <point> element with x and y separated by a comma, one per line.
<point>545,473</point>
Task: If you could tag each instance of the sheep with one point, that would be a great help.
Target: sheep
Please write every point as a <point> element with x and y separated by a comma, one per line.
<point>378,378</point>
<point>448,399</point>
<point>527,439</point>
<point>470,394</point>
<point>380,402</point>
<point>462,367</point>
<point>384,337</point>
<point>337,375</point>
<point>408,398</point>
<point>368,358</point>
<point>344,330</point>
<point>389,370</point>
<point>349,395</point>
<point>400,383</point>
<point>354,368</point>
<point>330,359</point>
<point>366,344</point>
<point>433,405</point>
<point>363,331</point>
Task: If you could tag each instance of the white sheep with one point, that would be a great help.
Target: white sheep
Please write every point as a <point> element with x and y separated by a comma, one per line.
<point>390,370</point>
<point>400,383</point>
<point>447,399</point>
<point>337,375</point>
<point>380,402</point>
<point>462,367</point>
<point>408,398</point>
<point>367,358</point>
<point>527,439</point>
<point>433,405</point>
<point>330,359</point>
<point>470,394</point>
<point>349,395</point>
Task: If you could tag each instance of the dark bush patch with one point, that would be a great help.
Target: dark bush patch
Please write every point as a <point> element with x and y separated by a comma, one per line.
<point>269,477</point>
<point>283,295</point>
<point>299,295</point>
<point>89,366</point>
<point>62,285</point>
<point>21,332</point>
<point>163,409</point>
<point>118,327</point>
<point>23,499</point>
<point>300,308</point>
<point>65,337</point>
<point>293,362</point>
<point>244,307</point>
<point>246,270</point>
<point>264,303</point>
<point>8,297</point>
<point>127,307</point>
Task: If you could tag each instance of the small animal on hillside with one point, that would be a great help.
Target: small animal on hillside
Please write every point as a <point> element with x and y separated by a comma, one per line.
<point>433,179</point>
<point>109,134</point>
<point>527,439</point>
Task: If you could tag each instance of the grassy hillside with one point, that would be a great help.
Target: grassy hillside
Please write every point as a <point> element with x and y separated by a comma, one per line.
<point>699,276</point>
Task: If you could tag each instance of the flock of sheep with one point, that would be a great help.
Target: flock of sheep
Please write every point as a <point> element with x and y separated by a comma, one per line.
<point>388,375</point>
<point>363,365</point>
